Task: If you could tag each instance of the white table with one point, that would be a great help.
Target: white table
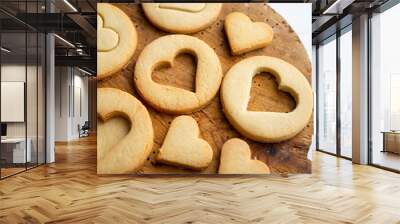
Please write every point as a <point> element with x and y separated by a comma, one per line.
<point>18,144</point>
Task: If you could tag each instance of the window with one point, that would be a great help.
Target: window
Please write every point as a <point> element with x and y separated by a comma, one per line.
<point>346,95</point>
<point>334,106</point>
<point>385,89</point>
<point>22,76</point>
<point>327,97</point>
<point>394,102</point>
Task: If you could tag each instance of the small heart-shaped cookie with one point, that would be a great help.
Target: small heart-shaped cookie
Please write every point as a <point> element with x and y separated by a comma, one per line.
<point>236,159</point>
<point>182,146</point>
<point>245,35</point>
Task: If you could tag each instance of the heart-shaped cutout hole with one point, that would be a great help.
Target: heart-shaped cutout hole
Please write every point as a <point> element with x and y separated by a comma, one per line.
<point>183,146</point>
<point>236,159</point>
<point>107,38</point>
<point>112,131</point>
<point>182,74</point>
<point>265,95</point>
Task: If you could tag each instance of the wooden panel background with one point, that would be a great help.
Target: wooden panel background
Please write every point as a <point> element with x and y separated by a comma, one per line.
<point>286,157</point>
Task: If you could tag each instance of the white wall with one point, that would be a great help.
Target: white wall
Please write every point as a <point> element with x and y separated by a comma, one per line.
<point>33,127</point>
<point>69,82</point>
<point>61,103</point>
<point>80,83</point>
<point>12,73</point>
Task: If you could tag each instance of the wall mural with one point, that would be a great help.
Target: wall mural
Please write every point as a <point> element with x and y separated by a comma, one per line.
<point>201,88</point>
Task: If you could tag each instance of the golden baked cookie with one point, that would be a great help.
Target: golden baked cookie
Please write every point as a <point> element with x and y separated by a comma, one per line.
<point>116,39</point>
<point>269,127</point>
<point>132,151</point>
<point>172,99</point>
<point>245,35</point>
<point>182,17</point>
<point>236,159</point>
<point>183,146</point>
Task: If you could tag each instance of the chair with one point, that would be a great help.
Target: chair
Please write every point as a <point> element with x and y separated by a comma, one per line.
<point>84,130</point>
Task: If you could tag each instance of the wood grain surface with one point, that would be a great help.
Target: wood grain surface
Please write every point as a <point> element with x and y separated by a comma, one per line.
<point>286,157</point>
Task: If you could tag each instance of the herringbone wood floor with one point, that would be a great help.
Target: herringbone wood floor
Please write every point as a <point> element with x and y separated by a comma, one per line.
<point>69,191</point>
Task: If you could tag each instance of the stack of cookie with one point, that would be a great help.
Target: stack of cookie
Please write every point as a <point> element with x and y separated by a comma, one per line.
<point>183,146</point>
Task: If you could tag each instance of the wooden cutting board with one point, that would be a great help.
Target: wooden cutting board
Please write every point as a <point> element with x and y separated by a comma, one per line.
<point>286,157</point>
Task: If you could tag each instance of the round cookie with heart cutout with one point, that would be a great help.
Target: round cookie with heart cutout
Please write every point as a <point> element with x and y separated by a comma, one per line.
<point>269,127</point>
<point>116,39</point>
<point>130,153</point>
<point>182,18</point>
<point>171,99</point>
